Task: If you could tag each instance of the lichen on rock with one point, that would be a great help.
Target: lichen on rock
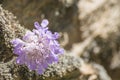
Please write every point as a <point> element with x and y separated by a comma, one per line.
<point>9,29</point>
<point>68,67</point>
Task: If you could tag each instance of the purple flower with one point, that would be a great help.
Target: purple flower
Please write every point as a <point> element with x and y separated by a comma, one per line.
<point>38,48</point>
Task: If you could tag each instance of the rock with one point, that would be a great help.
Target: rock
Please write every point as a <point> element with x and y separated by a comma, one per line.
<point>9,29</point>
<point>62,14</point>
<point>93,23</point>
<point>100,26</point>
<point>9,70</point>
<point>68,68</point>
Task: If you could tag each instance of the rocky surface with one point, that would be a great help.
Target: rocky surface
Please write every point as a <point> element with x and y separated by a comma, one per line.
<point>94,24</point>
<point>68,67</point>
<point>100,26</point>
<point>62,14</point>
<point>9,29</point>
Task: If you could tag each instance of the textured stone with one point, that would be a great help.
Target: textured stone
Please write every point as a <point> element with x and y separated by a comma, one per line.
<point>62,14</point>
<point>98,29</point>
<point>66,69</point>
<point>9,29</point>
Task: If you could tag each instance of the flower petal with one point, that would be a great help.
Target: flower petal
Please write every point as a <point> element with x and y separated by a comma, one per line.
<point>44,23</point>
<point>37,25</point>
<point>38,48</point>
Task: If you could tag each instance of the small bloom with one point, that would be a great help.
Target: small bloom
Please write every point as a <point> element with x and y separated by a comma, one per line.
<point>38,48</point>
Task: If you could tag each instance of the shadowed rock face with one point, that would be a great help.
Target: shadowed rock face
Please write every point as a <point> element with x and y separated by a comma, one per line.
<point>96,22</point>
<point>9,29</point>
<point>101,32</point>
<point>62,14</point>
<point>68,67</point>
<point>65,69</point>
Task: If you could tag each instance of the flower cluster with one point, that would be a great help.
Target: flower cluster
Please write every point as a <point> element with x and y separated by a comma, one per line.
<point>38,48</point>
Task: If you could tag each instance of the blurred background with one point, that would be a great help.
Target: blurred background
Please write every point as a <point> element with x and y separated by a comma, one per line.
<point>89,29</point>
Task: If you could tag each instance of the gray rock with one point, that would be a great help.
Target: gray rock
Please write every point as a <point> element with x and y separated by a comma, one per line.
<point>9,29</point>
<point>68,67</point>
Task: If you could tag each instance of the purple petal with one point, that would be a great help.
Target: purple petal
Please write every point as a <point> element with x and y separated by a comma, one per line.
<point>37,25</point>
<point>44,64</point>
<point>17,51</point>
<point>32,65</point>
<point>36,32</point>
<point>40,69</point>
<point>16,41</point>
<point>49,34</point>
<point>28,36</point>
<point>56,35</point>
<point>44,23</point>
<point>59,51</point>
<point>38,48</point>
<point>51,59</point>
<point>56,43</point>
<point>19,60</point>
